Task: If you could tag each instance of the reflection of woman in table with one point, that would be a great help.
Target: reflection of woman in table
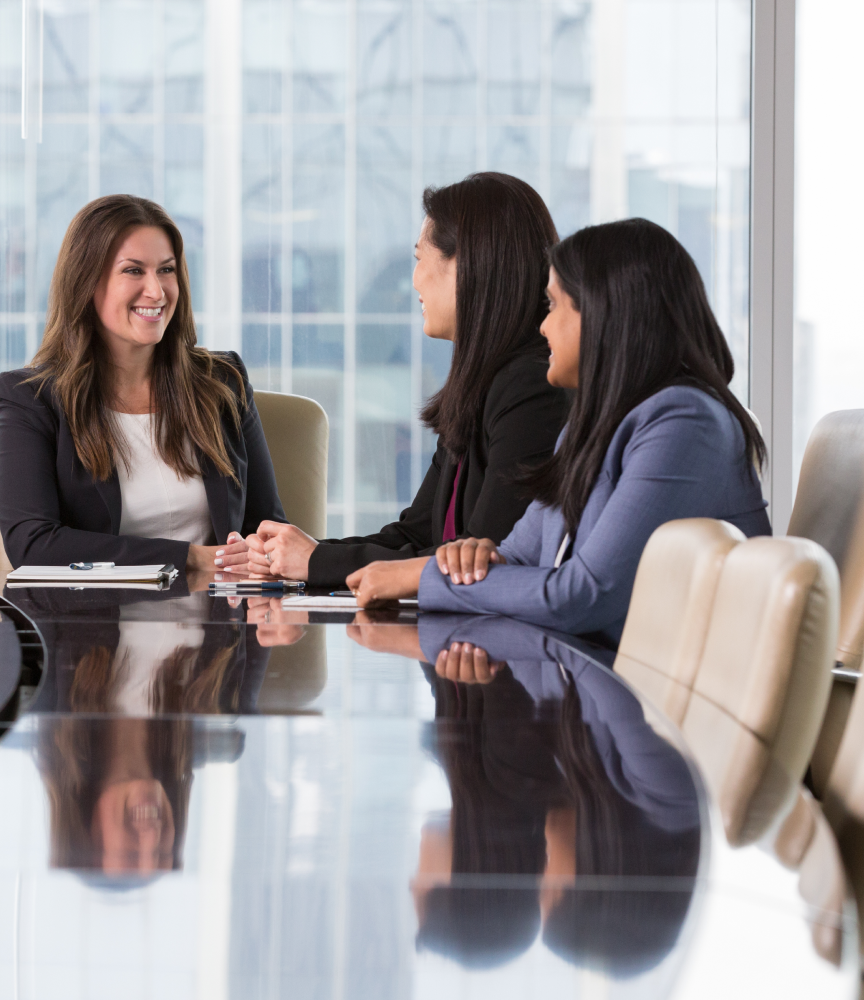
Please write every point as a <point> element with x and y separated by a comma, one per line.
<point>118,791</point>
<point>495,828</point>
<point>562,735</point>
<point>147,656</point>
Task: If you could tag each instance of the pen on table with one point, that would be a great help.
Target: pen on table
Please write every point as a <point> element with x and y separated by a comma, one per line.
<point>91,565</point>
<point>342,593</point>
<point>263,585</point>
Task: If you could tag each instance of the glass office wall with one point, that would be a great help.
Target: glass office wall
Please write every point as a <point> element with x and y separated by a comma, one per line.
<point>829,213</point>
<point>292,139</point>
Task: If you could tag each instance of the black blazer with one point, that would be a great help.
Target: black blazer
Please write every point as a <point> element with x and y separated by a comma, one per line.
<point>53,512</point>
<point>522,417</point>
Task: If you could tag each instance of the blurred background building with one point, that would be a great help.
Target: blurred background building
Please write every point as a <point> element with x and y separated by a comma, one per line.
<point>292,139</point>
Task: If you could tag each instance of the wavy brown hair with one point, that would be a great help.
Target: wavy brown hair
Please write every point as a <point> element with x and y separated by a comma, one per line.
<point>190,387</point>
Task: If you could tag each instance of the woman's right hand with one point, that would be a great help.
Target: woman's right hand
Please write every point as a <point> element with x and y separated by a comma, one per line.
<point>288,549</point>
<point>466,560</point>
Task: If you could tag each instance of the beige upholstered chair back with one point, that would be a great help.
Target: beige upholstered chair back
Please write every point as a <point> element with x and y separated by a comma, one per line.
<point>769,650</point>
<point>763,684</point>
<point>829,509</point>
<point>670,609</point>
<point>843,799</point>
<point>750,694</point>
<point>297,435</point>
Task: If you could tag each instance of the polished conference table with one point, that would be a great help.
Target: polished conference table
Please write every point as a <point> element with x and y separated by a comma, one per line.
<point>213,798</point>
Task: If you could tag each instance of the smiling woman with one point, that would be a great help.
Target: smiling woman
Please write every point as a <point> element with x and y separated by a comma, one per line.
<point>125,441</point>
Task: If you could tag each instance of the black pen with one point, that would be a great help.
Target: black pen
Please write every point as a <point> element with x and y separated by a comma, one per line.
<point>342,593</point>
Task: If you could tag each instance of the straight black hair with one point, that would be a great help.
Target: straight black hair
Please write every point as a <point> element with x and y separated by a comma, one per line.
<point>500,231</point>
<point>623,933</point>
<point>646,325</point>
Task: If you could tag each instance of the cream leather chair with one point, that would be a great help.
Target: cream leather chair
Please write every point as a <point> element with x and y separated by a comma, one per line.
<point>829,508</point>
<point>297,433</point>
<point>670,610</point>
<point>843,800</point>
<point>733,639</point>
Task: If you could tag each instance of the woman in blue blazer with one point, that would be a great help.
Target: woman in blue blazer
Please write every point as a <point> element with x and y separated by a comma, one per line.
<point>654,434</point>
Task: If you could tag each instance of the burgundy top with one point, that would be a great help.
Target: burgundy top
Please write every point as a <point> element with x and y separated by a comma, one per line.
<point>450,519</point>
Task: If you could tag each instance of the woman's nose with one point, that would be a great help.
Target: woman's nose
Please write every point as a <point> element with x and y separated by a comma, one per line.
<point>153,288</point>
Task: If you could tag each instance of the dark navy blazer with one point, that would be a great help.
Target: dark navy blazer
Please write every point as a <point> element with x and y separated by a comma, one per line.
<point>53,512</point>
<point>680,453</point>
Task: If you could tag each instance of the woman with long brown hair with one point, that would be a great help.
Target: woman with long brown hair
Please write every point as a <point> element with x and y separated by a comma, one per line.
<point>125,441</point>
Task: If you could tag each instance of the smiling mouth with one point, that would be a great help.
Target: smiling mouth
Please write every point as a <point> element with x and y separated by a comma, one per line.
<point>145,816</point>
<point>145,313</point>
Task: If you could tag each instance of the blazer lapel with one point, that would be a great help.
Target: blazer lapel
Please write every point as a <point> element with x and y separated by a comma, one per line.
<point>216,488</point>
<point>110,493</point>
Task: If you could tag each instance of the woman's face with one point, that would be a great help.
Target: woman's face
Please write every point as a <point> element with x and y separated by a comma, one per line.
<point>137,293</point>
<point>133,827</point>
<point>435,863</point>
<point>563,329</point>
<point>435,280</point>
<point>560,859</point>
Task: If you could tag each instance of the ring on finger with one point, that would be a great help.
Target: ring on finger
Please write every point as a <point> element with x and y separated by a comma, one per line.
<point>268,557</point>
<point>266,617</point>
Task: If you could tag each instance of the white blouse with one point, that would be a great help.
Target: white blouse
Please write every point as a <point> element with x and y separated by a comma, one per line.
<point>155,501</point>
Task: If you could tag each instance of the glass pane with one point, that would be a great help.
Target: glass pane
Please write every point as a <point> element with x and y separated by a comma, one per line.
<point>829,257</point>
<point>292,139</point>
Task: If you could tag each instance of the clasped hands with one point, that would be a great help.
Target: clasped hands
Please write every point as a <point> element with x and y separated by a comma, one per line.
<point>283,551</point>
<point>465,561</point>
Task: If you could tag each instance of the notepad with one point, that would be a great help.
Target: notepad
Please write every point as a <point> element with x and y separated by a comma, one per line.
<point>156,575</point>
<point>330,602</point>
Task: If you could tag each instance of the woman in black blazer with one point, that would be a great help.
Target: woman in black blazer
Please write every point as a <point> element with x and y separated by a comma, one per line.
<point>481,274</point>
<point>120,340</point>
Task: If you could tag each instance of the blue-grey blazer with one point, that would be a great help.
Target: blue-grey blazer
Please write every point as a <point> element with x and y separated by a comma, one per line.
<point>680,453</point>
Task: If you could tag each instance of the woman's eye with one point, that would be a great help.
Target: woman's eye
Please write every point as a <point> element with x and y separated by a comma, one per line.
<point>132,270</point>
<point>167,270</point>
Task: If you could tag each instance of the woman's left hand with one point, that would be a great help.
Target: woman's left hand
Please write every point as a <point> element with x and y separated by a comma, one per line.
<point>233,557</point>
<point>384,581</point>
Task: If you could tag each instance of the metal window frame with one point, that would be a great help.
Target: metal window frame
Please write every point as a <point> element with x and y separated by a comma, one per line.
<point>772,202</point>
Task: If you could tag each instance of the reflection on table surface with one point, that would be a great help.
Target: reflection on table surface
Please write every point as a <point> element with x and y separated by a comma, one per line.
<point>231,799</point>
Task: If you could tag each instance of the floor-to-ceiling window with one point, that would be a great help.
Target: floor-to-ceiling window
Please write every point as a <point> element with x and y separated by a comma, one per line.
<point>829,213</point>
<point>292,139</point>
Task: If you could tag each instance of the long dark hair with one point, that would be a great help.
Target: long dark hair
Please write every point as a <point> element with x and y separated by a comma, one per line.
<point>623,933</point>
<point>497,828</point>
<point>646,325</point>
<point>499,230</point>
<point>189,385</point>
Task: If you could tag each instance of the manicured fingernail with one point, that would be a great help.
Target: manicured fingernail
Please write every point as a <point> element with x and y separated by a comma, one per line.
<point>480,574</point>
<point>220,552</point>
<point>218,562</point>
<point>469,578</point>
<point>218,576</point>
